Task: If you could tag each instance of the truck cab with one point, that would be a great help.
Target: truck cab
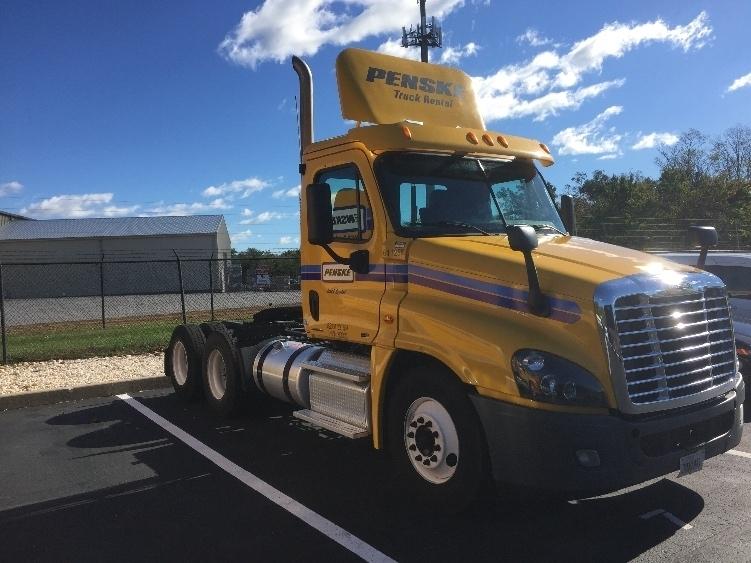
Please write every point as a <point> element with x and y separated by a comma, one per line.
<point>450,314</point>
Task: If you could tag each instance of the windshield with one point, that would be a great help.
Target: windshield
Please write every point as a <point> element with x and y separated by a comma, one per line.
<point>433,195</point>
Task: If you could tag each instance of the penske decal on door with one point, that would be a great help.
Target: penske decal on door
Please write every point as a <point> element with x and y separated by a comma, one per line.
<point>337,273</point>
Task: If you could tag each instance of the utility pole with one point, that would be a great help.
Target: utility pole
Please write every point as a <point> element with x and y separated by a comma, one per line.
<point>425,36</point>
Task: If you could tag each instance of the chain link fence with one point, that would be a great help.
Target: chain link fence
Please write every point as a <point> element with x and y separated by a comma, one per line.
<point>76,309</point>
<point>659,233</point>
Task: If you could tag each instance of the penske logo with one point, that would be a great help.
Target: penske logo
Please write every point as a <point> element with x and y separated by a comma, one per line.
<point>421,87</point>
<point>336,273</point>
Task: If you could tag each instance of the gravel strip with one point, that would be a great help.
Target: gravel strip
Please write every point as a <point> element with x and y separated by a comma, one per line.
<point>30,377</point>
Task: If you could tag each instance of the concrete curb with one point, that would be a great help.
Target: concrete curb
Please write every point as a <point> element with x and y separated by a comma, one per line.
<point>38,398</point>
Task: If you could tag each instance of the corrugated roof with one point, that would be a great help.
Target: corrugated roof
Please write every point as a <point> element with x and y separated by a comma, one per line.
<point>14,216</point>
<point>49,229</point>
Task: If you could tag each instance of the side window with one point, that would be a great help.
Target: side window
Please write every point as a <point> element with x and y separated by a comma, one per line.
<point>352,214</point>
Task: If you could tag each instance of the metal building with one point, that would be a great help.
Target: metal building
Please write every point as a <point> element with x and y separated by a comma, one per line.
<point>6,217</point>
<point>138,255</point>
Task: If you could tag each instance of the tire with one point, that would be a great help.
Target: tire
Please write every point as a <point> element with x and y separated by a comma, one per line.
<point>430,419</point>
<point>183,361</point>
<point>222,383</point>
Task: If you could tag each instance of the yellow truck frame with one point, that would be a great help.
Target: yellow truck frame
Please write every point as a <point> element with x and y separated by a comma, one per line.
<point>525,355</point>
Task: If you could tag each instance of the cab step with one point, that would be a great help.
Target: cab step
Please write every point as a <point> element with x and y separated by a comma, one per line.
<point>332,424</point>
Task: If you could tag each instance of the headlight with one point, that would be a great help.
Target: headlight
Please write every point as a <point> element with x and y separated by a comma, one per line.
<point>549,378</point>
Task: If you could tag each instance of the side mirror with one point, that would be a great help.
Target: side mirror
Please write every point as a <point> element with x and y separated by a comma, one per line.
<point>523,238</point>
<point>320,224</point>
<point>703,237</point>
<point>359,261</point>
<point>567,214</point>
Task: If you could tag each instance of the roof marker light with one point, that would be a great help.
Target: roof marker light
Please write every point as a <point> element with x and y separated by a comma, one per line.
<point>502,141</point>
<point>544,147</point>
<point>472,138</point>
<point>488,139</point>
<point>406,132</point>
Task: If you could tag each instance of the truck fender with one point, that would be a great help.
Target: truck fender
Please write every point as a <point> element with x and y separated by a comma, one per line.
<point>388,366</point>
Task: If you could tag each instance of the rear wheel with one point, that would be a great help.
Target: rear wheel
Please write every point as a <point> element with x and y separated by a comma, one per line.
<point>182,361</point>
<point>221,372</point>
<point>436,442</point>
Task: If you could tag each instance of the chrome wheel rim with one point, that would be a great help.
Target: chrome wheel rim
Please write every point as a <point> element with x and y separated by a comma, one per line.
<point>180,363</point>
<point>216,371</point>
<point>431,440</point>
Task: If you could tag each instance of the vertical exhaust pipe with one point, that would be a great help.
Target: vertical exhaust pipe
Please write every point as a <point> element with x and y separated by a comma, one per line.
<point>306,104</point>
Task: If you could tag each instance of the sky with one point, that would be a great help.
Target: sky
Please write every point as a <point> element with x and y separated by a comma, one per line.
<point>155,107</point>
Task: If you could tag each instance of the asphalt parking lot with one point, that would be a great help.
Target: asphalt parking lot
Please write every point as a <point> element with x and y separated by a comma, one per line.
<point>161,480</point>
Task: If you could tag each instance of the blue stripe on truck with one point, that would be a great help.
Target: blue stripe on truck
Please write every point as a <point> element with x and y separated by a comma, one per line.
<point>562,310</point>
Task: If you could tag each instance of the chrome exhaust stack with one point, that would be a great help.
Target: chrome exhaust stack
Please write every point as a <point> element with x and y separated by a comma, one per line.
<point>306,102</point>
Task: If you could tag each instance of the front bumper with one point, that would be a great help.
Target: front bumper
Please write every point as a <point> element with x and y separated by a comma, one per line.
<point>537,449</point>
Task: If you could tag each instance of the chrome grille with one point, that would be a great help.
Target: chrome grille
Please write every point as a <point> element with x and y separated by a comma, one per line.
<point>674,344</point>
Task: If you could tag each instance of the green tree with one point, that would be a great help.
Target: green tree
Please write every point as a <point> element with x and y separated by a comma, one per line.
<point>700,182</point>
<point>730,155</point>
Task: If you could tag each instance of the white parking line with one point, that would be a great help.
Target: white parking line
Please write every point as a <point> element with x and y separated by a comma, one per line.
<point>672,518</point>
<point>313,519</point>
<point>739,453</point>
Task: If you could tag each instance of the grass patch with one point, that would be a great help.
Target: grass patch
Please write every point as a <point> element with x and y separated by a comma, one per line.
<point>81,341</point>
<point>86,339</point>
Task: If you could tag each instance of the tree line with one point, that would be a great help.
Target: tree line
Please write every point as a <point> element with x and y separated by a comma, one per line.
<point>253,260</point>
<point>702,180</point>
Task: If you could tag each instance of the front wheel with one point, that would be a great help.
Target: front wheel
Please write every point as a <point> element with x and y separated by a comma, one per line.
<point>436,441</point>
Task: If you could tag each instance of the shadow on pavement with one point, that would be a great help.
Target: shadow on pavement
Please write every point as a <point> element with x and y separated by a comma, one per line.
<point>190,499</point>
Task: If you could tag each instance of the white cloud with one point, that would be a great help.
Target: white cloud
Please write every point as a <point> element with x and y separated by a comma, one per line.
<point>242,236</point>
<point>533,38</point>
<point>616,39</point>
<point>245,187</point>
<point>651,140</point>
<point>740,82</point>
<point>196,208</point>
<point>289,240</point>
<point>291,192</point>
<point>273,31</point>
<point>77,207</point>
<point>550,82</point>
<point>539,88</point>
<point>394,48</point>
<point>263,217</point>
<point>9,188</point>
<point>591,137</point>
<point>452,55</point>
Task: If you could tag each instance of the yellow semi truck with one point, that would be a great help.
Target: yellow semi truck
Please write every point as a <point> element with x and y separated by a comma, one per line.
<point>450,316</point>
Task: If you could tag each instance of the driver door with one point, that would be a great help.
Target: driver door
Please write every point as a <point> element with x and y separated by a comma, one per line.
<point>339,303</point>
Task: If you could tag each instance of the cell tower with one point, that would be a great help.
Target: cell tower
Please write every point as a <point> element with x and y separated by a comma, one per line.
<point>425,35</point>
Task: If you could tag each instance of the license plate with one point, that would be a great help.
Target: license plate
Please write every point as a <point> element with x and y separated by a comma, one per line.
<point>692,463</point>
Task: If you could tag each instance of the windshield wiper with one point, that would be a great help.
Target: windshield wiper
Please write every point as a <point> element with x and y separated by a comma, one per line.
<point>459,224</point>
<point>546,226</point>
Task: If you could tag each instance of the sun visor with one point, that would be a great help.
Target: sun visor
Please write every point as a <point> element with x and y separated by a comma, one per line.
<point>382,89</point>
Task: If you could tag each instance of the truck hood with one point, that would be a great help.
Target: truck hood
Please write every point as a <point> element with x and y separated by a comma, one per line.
<point>567,266</point>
